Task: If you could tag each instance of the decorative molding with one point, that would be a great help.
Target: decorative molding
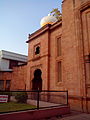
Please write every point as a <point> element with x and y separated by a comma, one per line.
<point>38,57</point>
<point>42,30</point>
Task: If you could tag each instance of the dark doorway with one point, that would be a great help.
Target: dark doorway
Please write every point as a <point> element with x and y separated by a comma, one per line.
<point>37,80</point>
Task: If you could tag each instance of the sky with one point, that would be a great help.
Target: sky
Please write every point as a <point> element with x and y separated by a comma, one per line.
<point>18,18</point>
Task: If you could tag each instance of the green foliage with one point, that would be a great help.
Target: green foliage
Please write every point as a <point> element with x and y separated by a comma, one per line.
<point>21,97</point>
<point>55,12</point>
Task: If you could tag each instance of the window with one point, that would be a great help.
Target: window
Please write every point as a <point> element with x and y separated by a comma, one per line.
<point>59,46</point>
<point>7,85</point>
<point>37,50</point>
<point>58,59</point>
<point>12,63</point>
<point>59,72</point>
<point>1,84</point>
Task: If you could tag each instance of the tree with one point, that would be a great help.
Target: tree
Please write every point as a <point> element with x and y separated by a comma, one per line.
<point>55,12</point>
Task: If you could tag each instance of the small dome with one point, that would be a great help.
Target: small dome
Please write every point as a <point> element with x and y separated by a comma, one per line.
<point>50,19</point>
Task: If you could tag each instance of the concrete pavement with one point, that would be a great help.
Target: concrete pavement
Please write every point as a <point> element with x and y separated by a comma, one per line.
<point>82,116</point>
<point>72,116</point>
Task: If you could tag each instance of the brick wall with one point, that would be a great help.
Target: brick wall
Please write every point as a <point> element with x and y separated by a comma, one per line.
<point>19,76</point>
<point>38,62</point>
<point>74,74</point>
<point>72,59</point>
<point>5,76</point>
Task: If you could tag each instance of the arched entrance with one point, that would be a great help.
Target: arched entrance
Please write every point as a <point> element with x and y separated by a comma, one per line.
<point>37,80</point>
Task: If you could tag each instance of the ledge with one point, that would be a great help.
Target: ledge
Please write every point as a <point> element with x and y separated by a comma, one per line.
<point>36,114</point>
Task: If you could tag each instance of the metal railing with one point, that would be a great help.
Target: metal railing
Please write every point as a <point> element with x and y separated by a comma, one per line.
<point>35,99</point>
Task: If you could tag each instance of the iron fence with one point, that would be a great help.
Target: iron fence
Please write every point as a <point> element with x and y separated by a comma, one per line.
<point>28,100</point>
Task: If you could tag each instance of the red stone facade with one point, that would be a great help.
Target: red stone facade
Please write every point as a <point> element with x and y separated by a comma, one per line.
<point>63,57</point>
<point>5,76</point>
<point>17,78</point>
<point>74,33</point>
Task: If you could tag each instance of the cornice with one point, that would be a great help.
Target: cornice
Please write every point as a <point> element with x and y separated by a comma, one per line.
<point>38,32</point>
<point>42,30</point>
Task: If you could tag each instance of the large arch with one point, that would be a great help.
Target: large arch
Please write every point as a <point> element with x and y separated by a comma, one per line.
<point>37,80</point>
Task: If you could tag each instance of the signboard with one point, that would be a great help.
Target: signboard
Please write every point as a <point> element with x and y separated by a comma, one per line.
<point>3,98</point>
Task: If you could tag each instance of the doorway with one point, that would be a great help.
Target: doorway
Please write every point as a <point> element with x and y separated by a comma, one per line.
<point>37,80</point>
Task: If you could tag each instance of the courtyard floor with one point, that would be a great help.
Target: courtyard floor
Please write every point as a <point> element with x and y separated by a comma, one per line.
<point>74,115</point>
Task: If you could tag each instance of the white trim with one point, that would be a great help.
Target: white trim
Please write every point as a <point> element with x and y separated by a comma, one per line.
<point>13,56</point>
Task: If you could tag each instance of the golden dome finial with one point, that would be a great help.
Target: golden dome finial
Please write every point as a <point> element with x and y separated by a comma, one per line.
<point>50,19</point>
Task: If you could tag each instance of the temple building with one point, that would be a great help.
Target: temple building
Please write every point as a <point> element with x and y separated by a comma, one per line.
<point>59,56</point>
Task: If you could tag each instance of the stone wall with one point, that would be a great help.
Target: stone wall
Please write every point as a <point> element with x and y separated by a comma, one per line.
<point>75,46</point>
<point>19,76</point>
<point>72,54</point>
<point>39,61</point>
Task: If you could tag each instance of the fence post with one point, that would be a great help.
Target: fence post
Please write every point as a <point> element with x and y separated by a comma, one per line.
<point>38,99</point>
<point>67,97</point>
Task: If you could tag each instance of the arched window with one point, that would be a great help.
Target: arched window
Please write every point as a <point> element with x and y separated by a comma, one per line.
<point>37,50</point>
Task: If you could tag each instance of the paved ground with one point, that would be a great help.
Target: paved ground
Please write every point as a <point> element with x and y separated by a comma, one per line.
<point>41,103</point>
<point>73,116</point>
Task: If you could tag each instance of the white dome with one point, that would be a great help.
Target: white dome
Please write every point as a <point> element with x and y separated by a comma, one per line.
<point>50,19</point>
